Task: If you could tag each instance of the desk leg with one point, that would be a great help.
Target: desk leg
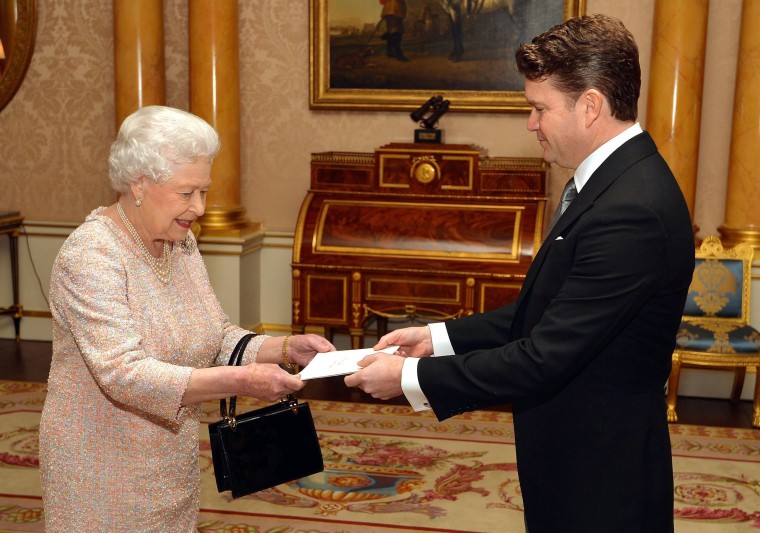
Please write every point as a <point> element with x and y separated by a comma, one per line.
<point>357,338</point>
<point>14,277</point>
<point>382,326</point>
<point>329,333</point>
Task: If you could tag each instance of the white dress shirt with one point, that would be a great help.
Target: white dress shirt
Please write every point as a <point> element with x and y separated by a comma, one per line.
<point>438,333</point>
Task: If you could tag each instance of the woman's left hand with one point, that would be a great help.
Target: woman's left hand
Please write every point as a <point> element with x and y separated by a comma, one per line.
<point>301,349</point>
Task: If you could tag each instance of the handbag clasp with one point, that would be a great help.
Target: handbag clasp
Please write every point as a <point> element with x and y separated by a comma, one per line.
<point>228,417</point>
<point>292,402</point>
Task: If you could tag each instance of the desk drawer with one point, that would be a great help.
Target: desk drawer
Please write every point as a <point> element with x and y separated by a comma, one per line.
<point>414,290</point>
<point>436,297</point>
<point>326,296</point>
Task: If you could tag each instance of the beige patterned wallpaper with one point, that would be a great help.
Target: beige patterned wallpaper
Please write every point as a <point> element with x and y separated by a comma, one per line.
<point>56,132</point>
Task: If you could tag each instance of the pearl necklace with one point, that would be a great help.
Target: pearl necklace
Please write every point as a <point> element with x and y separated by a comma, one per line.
<point>163,266</point>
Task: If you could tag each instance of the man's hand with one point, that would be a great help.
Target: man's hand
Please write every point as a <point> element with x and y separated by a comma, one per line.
<point>380,376</point>
<point>412,342</point>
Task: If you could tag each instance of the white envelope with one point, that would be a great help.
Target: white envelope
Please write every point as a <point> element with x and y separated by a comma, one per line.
<point>339,363</point>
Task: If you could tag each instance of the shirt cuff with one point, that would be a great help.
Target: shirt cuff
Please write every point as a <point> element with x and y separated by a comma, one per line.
<point>439,336</point>
<point>410,385</point>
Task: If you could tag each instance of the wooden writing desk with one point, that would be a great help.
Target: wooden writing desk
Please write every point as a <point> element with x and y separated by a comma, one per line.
<point>10,224</point>
<point>432,231</point>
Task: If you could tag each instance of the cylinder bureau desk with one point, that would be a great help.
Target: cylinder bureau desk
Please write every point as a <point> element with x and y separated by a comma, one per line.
<point>413,231</point>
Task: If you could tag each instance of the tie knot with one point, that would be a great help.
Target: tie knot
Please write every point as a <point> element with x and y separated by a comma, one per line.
<point>568,195</point>
<point>570,192</point>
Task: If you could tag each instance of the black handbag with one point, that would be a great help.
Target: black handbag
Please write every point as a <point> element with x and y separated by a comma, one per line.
<point>264,447</point>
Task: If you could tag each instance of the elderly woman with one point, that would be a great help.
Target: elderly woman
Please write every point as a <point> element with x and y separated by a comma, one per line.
<point>140,339</point>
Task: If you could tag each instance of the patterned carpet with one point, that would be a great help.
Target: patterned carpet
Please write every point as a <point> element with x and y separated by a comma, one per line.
<point>390,470</point>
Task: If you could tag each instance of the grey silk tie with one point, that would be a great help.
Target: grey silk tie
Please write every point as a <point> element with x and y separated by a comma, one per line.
<point>568,195</point>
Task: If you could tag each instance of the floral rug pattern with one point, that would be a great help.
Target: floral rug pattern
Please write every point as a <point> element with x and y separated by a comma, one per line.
<point>390,469</point>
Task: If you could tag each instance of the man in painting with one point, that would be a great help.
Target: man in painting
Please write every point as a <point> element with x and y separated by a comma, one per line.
<point>394,13</point>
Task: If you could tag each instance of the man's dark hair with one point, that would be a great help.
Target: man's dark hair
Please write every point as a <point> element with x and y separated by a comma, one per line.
<point>588,52</point>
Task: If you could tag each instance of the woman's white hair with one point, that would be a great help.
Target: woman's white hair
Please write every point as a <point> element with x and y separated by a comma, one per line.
<point>153,140</point>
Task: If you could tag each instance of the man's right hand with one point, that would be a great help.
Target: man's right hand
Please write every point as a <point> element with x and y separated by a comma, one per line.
<point>412,342</point>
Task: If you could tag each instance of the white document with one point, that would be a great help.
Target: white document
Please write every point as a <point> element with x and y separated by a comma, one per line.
<point>339,363</point>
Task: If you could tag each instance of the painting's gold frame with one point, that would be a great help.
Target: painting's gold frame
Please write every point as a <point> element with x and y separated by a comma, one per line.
<point>322,96</point>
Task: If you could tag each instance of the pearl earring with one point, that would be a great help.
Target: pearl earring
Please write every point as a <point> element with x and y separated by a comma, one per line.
<point>138,202</point>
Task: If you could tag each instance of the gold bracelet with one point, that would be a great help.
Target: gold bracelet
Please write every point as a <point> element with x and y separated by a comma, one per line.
<point>285,359</point>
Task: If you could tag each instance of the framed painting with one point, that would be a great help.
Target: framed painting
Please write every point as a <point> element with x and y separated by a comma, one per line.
<point>391,55</point>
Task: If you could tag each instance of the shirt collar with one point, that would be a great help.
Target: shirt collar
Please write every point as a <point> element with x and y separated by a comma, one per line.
<point>598,156</point>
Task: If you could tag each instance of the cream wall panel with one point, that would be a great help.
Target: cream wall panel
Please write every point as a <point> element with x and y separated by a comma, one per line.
<point>704,383</point>
<point>224,273</point>
<point>250,287</point>
<point>234,271</point>
<point>276,286</point>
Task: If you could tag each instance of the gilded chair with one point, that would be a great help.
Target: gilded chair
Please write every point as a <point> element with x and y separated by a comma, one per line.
<point>715,330</point>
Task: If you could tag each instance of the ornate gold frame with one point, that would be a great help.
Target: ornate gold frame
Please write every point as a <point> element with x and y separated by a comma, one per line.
<point>21,55</point>
<point>322,96</point>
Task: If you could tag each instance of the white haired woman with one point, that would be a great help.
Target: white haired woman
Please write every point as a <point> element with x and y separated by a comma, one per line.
<point>140,339</point>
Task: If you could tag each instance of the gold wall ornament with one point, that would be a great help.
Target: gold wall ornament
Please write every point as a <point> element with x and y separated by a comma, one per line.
<point>425,169</point>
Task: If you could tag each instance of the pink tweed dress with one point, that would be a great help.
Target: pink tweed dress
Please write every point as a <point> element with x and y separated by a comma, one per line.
<point>118,452</point>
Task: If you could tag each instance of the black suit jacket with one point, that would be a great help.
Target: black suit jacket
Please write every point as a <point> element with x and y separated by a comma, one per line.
<point>585,351</point>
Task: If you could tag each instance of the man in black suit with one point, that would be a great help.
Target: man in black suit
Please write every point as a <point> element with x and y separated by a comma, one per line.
<point>585,351</point>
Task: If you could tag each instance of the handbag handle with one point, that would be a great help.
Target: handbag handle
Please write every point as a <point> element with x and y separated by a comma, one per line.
<point>235,360</point>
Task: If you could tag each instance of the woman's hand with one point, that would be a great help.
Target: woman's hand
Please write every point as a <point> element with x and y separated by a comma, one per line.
<point>269,382</point>
<point>301,349</point>
<point>265,381</point>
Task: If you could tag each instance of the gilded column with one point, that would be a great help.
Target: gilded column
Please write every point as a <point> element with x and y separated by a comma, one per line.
<point>675,86</point>
<point>215,96</point>
<point>138,55</point>
<point>742,222</point>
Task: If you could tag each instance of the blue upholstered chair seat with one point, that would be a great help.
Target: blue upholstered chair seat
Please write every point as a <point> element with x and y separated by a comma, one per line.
<point>718,338</point>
